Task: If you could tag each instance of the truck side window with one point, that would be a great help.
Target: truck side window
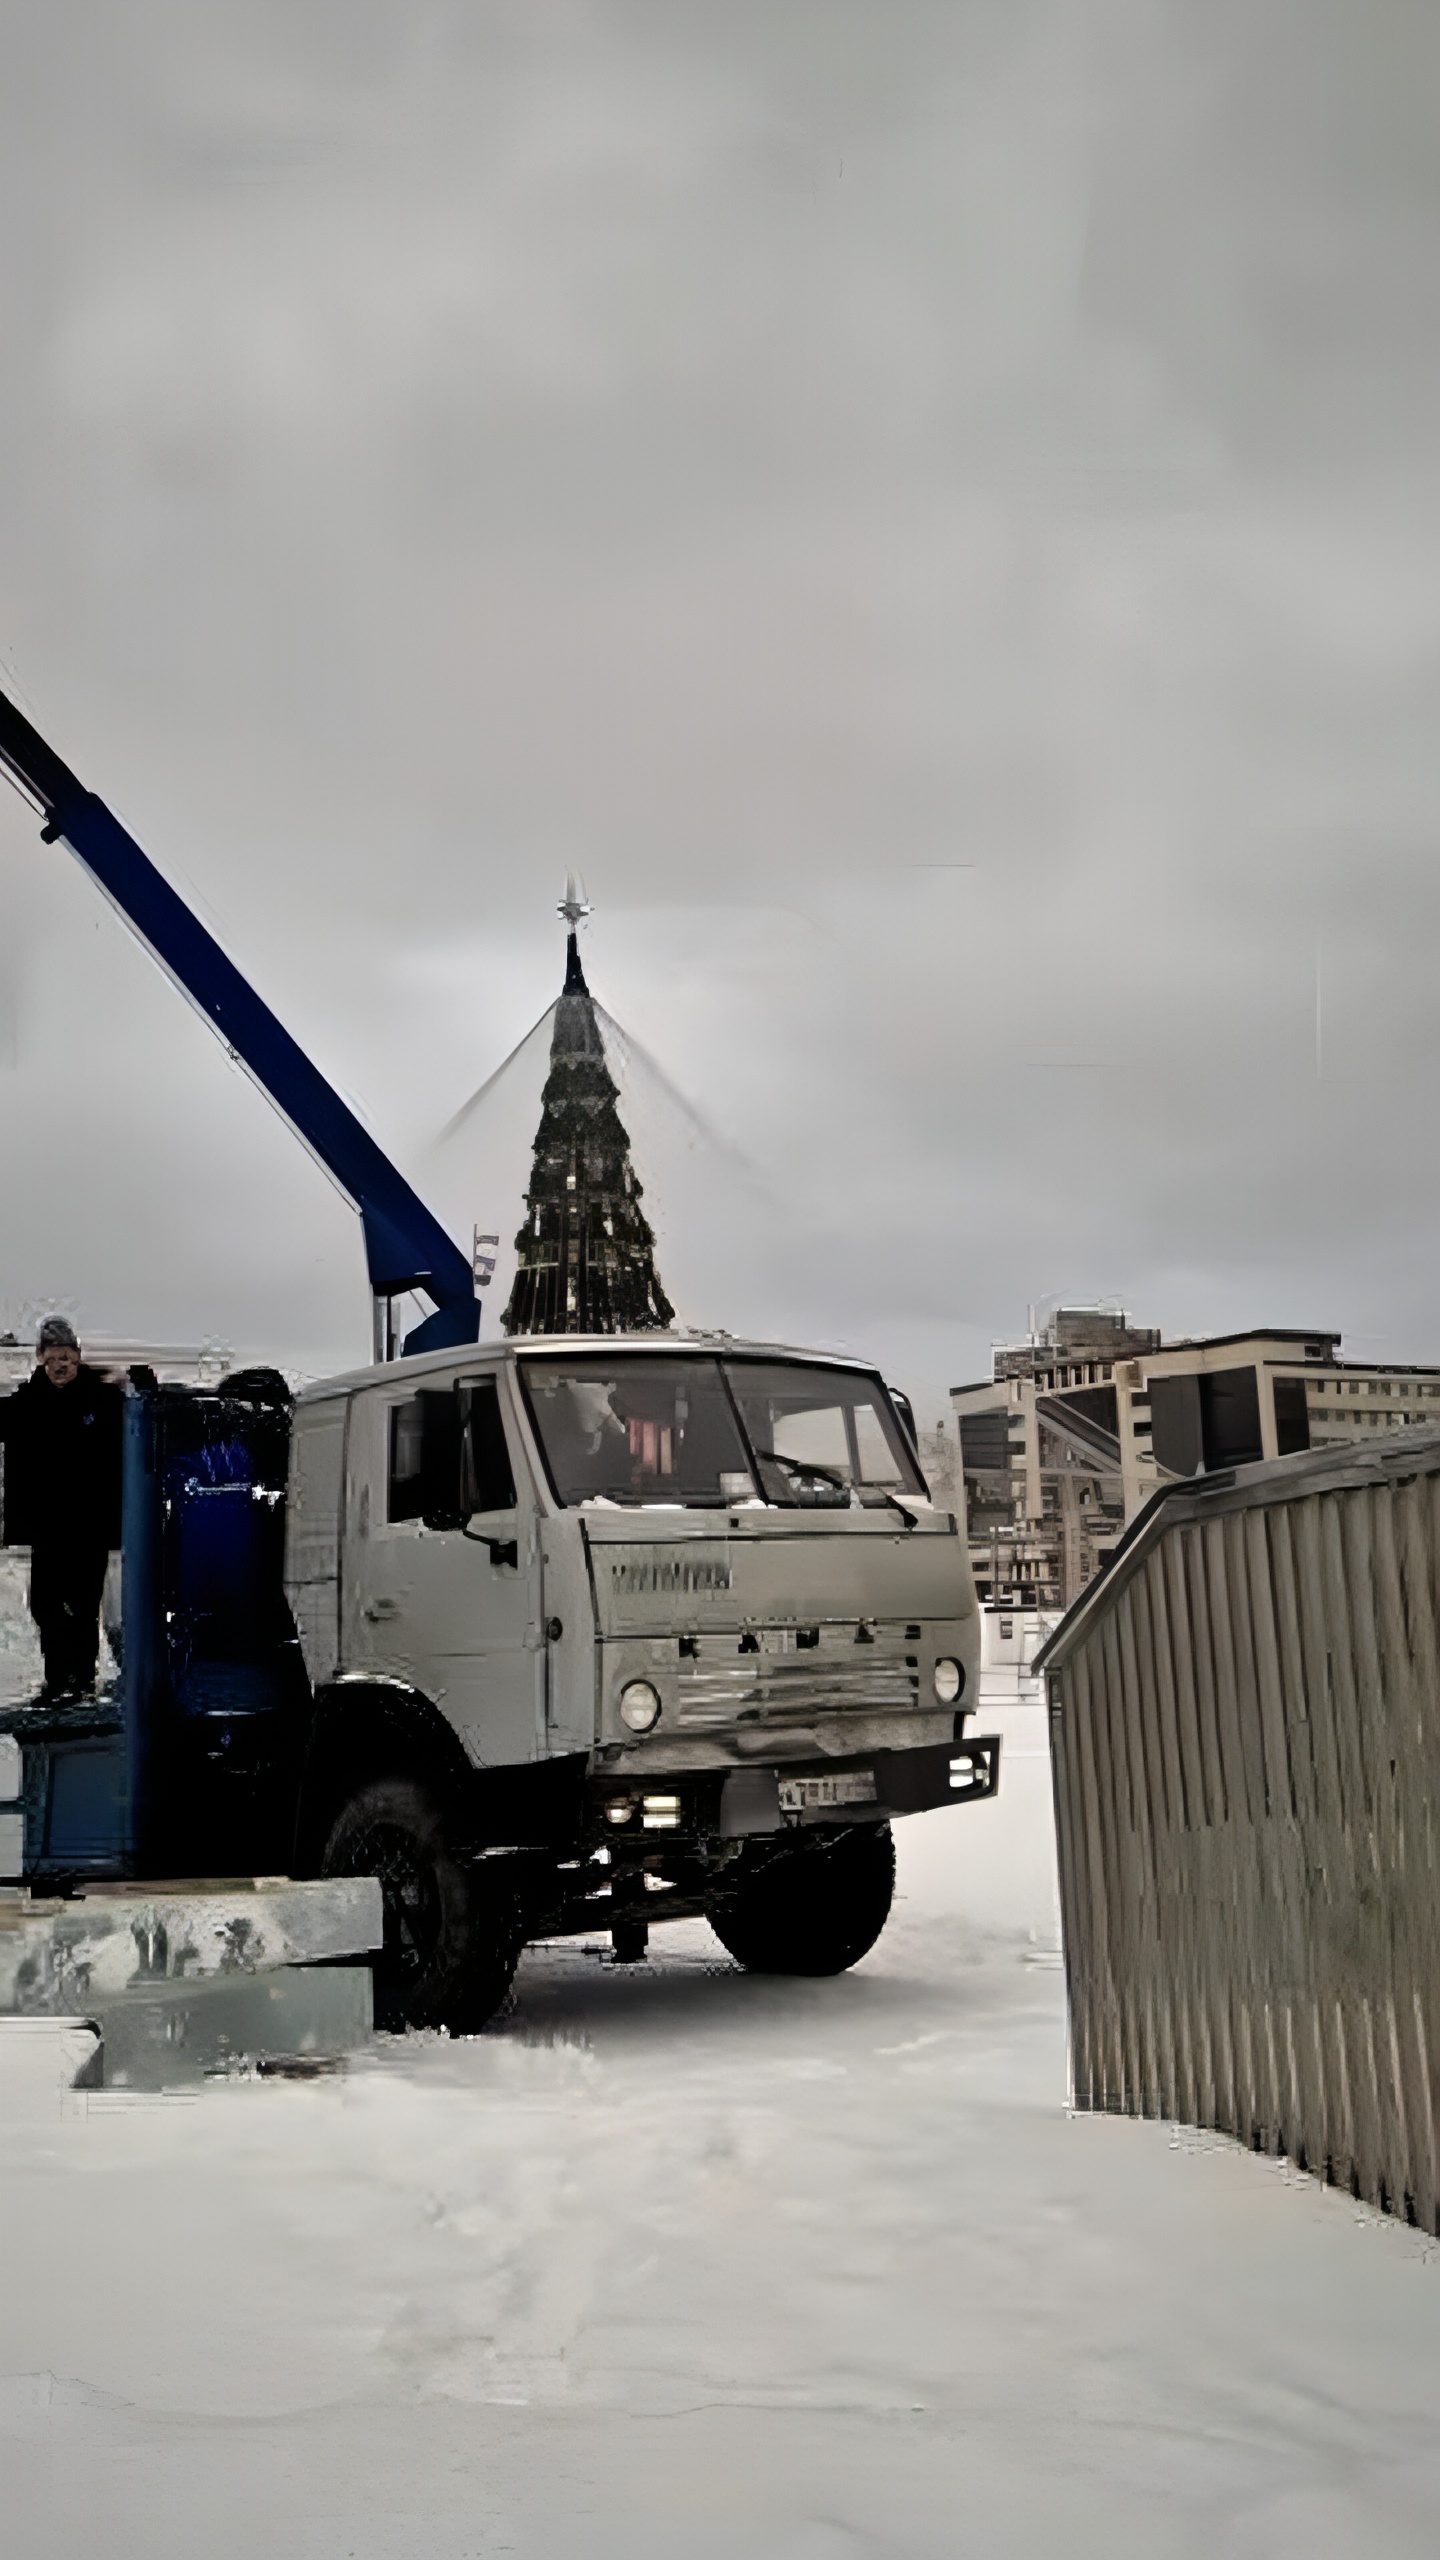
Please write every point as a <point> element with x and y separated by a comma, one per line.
<point>406,1474</point>
<point>488,1481</point>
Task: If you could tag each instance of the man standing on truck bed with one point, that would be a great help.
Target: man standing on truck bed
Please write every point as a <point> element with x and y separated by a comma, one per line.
<point>61,1437</point>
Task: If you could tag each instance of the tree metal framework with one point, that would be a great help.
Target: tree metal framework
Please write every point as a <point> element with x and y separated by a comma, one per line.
<point>586,1250</point>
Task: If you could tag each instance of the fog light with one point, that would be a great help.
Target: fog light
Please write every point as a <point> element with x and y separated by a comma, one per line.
<point>949,1680</point>
<point>619,1809</point>
<point>639,1705</point>
<point>660,1813</point>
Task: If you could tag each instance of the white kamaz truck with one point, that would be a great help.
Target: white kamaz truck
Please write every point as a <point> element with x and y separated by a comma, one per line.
<point>602,1633</point>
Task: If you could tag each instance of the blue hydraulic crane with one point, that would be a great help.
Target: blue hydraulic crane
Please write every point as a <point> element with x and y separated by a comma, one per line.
<point>405,1246</point>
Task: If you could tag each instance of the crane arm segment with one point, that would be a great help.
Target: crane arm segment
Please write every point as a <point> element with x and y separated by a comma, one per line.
<point>405,1245</point>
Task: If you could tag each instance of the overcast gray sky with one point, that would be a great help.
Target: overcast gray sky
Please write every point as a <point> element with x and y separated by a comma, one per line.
<point>932,508</point>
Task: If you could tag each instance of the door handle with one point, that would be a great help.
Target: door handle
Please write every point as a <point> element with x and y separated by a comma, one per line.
<point>381,1608</point>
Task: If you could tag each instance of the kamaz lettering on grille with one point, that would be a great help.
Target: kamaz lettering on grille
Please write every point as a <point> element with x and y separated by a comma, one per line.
<point>688,1574</point>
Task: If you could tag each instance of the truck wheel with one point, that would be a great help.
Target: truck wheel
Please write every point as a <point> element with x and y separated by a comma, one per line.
<point>452,1940</point>
<point>815,1906</point>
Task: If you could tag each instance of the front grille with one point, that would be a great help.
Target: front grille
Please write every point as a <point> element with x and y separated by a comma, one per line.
<point>723,1684</point>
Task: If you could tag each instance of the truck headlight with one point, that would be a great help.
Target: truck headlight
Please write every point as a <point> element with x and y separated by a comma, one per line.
<point>639,1705</point>
<point>949,1679</point>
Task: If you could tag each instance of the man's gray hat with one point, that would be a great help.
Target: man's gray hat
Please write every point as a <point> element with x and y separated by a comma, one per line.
<point>57,1333</point>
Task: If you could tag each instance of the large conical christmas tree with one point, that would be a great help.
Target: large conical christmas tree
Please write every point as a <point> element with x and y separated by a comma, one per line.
<point>587,1251</point>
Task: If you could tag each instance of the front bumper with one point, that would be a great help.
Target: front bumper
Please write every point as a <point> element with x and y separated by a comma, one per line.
<point>872,1786</point>
<point>905,1782</point>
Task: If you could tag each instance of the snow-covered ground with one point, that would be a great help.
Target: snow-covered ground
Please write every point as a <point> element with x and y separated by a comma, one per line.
<point>684,2265</point>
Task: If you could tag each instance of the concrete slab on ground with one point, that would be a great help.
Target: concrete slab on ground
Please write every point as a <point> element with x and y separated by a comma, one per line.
<point>173,2035</point>
<point>66,1958</point>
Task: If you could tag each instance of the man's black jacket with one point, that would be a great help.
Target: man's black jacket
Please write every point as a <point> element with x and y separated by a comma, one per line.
<point>62,1461</point>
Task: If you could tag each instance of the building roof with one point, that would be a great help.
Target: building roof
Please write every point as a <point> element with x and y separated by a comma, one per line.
<point>1253,1333</point>
<point>1048,1356</point>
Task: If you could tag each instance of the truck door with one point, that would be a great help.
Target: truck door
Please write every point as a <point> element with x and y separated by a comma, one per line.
<point>445,1587</point>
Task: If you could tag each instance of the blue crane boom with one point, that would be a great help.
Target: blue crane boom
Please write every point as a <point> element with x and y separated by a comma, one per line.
<point>405,1245</point>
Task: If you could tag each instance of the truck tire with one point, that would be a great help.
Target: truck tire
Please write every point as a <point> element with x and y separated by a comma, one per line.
<point>814,1906</point>
<point>452,1936</point>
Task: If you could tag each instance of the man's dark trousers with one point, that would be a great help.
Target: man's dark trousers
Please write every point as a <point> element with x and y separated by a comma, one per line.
<point>66,1579</point>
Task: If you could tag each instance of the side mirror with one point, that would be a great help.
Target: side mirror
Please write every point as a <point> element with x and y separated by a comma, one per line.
<point>487,1479</point>
<point>464,1460</point>
<point>906,1411</point>
<point>440,1503</point>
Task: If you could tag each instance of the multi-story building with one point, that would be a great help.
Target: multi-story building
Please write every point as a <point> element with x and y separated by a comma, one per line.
<point>1080,1423</point>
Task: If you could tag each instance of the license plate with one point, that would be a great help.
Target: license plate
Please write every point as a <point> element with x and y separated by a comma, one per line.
<point>819,1795</point>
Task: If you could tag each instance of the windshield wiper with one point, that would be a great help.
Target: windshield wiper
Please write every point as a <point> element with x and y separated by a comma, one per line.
<point>832,1475</point>
<point>804,1467</point>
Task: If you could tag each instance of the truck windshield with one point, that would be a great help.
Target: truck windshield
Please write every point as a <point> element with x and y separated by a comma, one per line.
<point>642,1429</point>
<point>819,1435</point>
<point>638,1430</point>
